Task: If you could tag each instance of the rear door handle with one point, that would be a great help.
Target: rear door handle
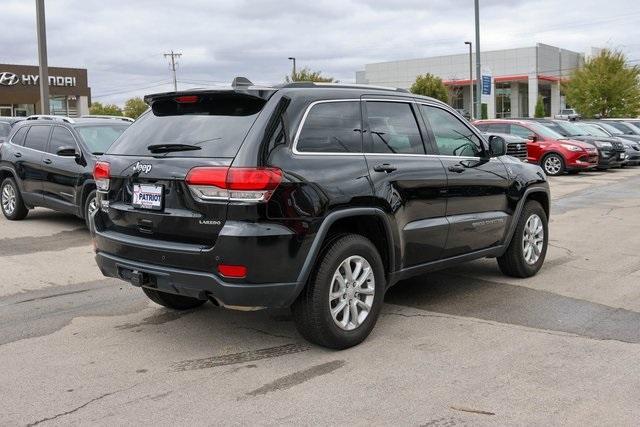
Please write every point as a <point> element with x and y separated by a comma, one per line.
<point>384,167</point>
<point>47,161</point>
<point>456,168</point>
<point>17,154</point>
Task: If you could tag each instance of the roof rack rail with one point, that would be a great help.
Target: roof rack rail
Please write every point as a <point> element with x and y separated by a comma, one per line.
<point>342,86</point>
<point>104,116</point>
<point>50,117</point>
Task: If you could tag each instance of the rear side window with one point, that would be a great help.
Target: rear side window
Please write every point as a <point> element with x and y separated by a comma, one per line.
<point>394,128</point>
<point>61,138</point>
<point>217,124</point>
<point>37,137</point>
<point>495,128</point>
<point>18,138</point>
<point>332,127</point>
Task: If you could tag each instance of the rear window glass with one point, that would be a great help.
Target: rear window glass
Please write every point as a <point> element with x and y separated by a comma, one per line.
<point>100,137</point>
<point>5,128</point>
<point>216,124</point>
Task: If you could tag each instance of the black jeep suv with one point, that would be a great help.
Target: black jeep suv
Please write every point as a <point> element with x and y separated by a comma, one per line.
<point>310,196</point>
<point>48,161</point>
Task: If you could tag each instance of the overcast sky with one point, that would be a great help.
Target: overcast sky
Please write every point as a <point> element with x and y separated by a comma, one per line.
<point>121,42</point>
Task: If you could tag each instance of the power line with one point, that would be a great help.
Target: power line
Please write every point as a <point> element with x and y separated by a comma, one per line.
<point>120,92</point>
<point>173,57</point>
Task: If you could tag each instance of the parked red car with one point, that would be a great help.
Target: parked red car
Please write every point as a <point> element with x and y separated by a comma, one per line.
<point>547,148</point>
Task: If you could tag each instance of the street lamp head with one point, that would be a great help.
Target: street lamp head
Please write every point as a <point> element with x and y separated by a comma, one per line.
<point>469,43</point>
<point>291,58</point>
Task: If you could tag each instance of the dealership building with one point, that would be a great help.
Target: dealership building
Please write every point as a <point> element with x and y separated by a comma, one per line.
<point>518,77</point>
<point>69,93</point>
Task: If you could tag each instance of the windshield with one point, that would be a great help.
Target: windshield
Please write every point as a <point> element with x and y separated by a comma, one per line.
<point>545,131</point>
<point>99,138</point>
<point>611,129</point>
<point>571,129</point>
<point>592,130</point>
<point>5,128</point>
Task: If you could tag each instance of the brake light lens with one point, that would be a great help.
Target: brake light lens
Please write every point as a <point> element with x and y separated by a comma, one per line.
<point>233,184</point>
<point>187,99</point>
<point>101,175</point>
<point>233,271</point>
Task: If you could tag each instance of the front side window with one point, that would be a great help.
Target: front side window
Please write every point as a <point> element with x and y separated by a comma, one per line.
<point>520,131</point>
<point>394,128</point>
<point>452,137</point>
<point>37,138</point>
<point>332,127</point>
<point>61,138</point>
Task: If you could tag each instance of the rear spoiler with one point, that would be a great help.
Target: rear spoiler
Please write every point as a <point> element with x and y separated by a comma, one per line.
<point>240,86</point>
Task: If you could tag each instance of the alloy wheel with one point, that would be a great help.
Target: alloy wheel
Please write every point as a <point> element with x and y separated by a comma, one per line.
<point>552,165</point>
<point>351,293</point>
<point>9,199</point>
<point>532,239</point>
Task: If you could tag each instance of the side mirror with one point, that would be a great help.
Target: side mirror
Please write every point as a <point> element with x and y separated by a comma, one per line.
<point>67,152</point>
<point>497,146</point>
<point>533,137</point>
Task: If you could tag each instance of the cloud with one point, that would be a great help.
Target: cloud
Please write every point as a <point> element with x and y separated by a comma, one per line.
<point>121,43</point>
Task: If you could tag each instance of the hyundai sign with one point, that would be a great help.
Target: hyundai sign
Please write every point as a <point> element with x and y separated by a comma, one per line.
<point>12,79</point>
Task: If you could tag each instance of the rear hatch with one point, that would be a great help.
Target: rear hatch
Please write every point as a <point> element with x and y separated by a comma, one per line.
<point>148,194</point>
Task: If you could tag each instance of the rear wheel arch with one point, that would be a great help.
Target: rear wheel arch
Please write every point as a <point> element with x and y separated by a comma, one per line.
<point>371,223</point>
<point>87,188</point>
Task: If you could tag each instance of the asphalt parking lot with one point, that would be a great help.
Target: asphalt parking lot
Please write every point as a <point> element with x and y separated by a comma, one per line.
<point>465,346</point>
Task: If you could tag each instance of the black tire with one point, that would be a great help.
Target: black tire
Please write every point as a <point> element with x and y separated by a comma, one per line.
<point>512,262</point>
<point>312,309</point>
<point>19,211</point>
<point>87,206</point>
<point>550,157</point>
<point>176,302</point>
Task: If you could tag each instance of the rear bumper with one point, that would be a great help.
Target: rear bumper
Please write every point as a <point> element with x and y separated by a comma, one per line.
<point>200,285</point>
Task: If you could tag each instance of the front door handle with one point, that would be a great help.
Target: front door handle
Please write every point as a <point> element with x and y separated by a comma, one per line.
<point>456,168</point>
<point>384,167</point>
<point>47,161</point>
<point>17,154</point>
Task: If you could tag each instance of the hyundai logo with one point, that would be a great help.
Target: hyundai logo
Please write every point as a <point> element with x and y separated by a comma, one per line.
<point>8,79</point>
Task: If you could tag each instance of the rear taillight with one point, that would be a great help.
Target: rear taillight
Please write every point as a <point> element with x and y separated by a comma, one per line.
<point>233,184</point>
<point>101,175</point>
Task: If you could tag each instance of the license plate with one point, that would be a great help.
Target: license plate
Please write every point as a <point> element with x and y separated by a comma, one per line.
<point>147,196</point>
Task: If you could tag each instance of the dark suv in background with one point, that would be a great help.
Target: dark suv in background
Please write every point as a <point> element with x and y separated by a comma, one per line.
<point>310,196</point>
<point>48,161</point>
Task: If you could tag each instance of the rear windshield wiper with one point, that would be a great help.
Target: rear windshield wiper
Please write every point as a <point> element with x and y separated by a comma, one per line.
<point>168,148</point>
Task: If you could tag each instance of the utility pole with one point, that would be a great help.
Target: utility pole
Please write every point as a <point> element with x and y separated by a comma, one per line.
<point>42,57</point>
<point>470,77</point>
<point>173,57</point>
<point>478,68</point>
<point>293,75</point>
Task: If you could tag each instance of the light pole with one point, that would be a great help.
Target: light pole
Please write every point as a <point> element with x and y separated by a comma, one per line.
<point>470,77</point>
<point>478,69</point>
<point>293,75</point>
<point>42,57</point>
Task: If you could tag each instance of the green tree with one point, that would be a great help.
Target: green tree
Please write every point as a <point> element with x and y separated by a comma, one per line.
<point>606,86</point>
<point>306,75</point>
<point>539,113</point>
<point>430,85</point>
<point>134,107</point>
<point>105,110</point>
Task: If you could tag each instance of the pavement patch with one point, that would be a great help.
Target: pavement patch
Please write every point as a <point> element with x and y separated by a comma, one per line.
<point>451,294</point>
<point>243,357</point>
<point>299,377</point>
<point>54,242</point>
